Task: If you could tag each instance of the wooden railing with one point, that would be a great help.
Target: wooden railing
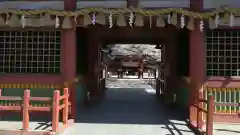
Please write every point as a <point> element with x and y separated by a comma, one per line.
<point>222,106</point>
<point>56,106</point>
<point>209,114</point>
<point>24,106</point>
<point>14,103</point>
<point>152,82</point>
<point>227,106</point>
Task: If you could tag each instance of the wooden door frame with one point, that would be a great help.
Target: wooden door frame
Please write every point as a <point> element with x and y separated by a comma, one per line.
<point>104,35</point>
<point>126,34</point>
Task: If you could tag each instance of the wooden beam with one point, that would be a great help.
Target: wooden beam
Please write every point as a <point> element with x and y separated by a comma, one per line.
<point>132,3</point>
<point>135,34</point>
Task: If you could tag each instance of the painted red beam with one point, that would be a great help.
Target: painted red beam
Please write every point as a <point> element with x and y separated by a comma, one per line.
<point>28,79</point>
<point>37,108</point>
<point>40,98</point>
<point>70,4</point>
<point>222,82</point>
<point>12,98</point>
<point>231,118</point>
<point>227,104</point>
<point>10,108</point>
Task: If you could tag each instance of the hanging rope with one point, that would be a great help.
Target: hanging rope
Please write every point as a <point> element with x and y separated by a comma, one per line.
<point>144,12</point>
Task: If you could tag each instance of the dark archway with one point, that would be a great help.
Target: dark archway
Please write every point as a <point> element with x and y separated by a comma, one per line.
<point>98,36</point>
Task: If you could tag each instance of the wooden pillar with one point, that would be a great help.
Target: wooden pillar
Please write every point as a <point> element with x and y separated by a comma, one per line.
<point>106,71</point>
<point>93,68</point>
<point>68,57</point>
<point>100,68</point>
<point>121,69</point>
<point>170,68</point>
<point>155,73</point>
<point>141,68</point>
<point>197,59</point>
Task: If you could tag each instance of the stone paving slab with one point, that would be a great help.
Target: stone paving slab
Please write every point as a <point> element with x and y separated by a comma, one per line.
<point>17,125</point>
<point>226,129</point>
<point>35,128</point>
<point>126,129</point>
<point>130,107</point>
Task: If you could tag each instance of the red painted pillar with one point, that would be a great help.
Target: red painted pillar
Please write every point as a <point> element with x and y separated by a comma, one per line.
<point>197,59</point>
<point>68,56</point>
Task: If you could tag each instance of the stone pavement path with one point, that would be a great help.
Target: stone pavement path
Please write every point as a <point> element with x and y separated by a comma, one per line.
<point>129,108</point>
<point>226,129</point>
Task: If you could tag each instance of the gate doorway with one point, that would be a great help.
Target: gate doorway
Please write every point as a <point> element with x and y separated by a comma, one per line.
<point>99,37</point>
<point>117,104</point>
<point>91,66</point>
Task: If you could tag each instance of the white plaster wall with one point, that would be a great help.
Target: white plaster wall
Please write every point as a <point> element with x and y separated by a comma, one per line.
<point>219,3</point>
<point>31,5</point>
<point>59,5</point>
<point>103,4</point>
<point>208,4</point>
<point>164,3</point>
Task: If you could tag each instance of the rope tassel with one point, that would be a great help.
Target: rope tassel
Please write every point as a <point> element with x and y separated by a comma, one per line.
<point>57,22</point>
<point>131,18</point>
<point>217,20</point>
<point>110,20</point>
<point>201,26</point>
<point>182,21</point>
<point>94,18</point>
<point>23,21</point>
<point>232,20</point>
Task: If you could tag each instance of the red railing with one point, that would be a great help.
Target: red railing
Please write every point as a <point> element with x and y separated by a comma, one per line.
<point>227,104</point>
<point>15,105</point>
<point>235,114</point>
<point>25,107</point>
<point>209,114</point>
